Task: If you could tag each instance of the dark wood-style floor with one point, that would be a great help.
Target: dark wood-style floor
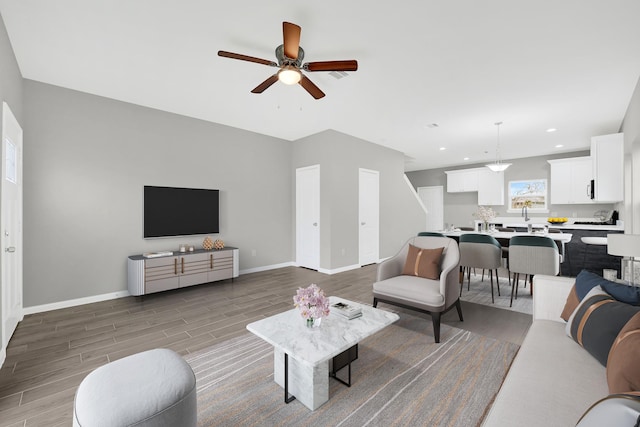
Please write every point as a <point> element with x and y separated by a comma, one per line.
<point>50,353</point>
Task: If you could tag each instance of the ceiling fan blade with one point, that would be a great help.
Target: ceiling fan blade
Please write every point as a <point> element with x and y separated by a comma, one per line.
<point>291,35</point>
<point>265,84</point>
<point>350,65</point>
<point>246,58</point>
<point>311,88</point>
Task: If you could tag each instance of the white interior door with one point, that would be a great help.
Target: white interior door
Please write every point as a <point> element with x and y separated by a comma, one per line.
<point>308,217</point>
<point>369,216</point>
<point>432,198</point>
<point>10,226</point>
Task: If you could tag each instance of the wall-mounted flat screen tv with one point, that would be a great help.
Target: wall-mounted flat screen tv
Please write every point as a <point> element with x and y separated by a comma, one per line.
<point>171,211</point>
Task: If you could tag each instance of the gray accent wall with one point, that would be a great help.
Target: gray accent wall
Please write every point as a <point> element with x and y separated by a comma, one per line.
<point>86,161</point>
<point>340,157</point>
<point>10,77</point>
<point>459,207</point>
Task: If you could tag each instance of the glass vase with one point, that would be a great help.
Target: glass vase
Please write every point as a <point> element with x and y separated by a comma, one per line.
<point>314,323</point>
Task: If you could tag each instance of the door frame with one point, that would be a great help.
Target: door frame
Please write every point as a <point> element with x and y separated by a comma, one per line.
<point>361,259</point>
<point>440,190</point>
<point>314,192</point>
<point>9,318</point>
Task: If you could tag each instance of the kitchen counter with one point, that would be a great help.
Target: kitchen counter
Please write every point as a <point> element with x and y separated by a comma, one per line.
<point>537,222</point>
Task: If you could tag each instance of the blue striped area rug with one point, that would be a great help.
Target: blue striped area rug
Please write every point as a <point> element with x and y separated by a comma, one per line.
<point>401,377</point>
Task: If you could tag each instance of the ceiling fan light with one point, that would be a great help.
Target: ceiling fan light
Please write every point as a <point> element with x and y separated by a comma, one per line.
<point>498,167</point>
<point>289,75</point>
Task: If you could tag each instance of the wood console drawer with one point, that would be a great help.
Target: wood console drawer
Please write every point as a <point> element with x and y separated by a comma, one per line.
<point>160,285</point>
<point>149,275</point>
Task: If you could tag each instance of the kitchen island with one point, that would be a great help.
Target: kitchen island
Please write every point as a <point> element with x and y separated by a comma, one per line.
<point>578,255</point>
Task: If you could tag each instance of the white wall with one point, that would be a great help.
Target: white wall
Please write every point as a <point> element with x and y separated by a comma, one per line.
<point>340,156</point>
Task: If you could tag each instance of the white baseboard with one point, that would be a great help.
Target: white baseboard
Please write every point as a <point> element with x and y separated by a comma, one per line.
<point>74,302</point>
<point>268,267</point>
<point>104,297</point>
<point>339,270</point>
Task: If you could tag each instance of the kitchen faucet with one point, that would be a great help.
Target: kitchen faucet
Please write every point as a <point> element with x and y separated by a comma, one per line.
<point>525,214</point>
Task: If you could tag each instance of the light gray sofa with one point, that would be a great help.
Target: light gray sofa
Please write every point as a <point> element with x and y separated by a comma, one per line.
<point>552,381</point>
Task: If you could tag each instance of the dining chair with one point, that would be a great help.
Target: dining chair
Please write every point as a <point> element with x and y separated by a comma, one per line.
<point>431,233</point>
<point>505,242</point>
<point>531,255</point>
<point>560,244</point>
<point>480,251</point>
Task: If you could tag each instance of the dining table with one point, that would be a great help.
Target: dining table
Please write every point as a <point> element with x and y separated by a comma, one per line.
<point>560,237</point>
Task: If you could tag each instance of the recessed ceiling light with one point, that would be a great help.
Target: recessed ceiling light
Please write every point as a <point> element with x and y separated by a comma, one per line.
<point>559,146</point>
<point>443,148</point>
<point>551,130</point>
<point>466,158</point>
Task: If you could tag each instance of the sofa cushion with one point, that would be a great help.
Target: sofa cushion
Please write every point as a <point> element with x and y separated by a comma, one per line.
<point>423,262</point>
<point>596,322</point>
<point>586,280</point>
<point>551,382</point>
<point>424,292</point>
<point>623,369</point>
<point>572,303</point>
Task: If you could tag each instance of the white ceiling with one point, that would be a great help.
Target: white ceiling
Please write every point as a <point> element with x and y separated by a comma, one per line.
<point>464,64</point>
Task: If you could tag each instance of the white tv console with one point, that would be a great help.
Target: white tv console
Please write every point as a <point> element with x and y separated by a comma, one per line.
<point>147,275</point>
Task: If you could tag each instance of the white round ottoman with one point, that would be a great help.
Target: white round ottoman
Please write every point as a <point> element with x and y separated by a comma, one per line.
<point>153,388</point>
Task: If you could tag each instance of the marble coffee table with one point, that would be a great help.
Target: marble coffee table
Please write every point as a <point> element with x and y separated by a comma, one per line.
<point>302,356</point>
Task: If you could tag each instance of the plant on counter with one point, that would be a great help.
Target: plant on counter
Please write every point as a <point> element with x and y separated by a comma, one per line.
<point>485,214</point>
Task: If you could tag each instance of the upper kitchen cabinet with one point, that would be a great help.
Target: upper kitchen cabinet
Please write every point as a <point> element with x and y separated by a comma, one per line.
<point>490,187</point>
<point>607,154</point>
<point>462,180</point>
<point>571,180</point>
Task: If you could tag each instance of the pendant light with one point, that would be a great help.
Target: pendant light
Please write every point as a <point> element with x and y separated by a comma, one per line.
<point>498,166</point>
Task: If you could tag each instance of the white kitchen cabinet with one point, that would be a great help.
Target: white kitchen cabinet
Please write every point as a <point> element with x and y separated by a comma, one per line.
<point>462,180</point>
<point>490,187</point>
<point>607,153</point>
<point>571,180</point>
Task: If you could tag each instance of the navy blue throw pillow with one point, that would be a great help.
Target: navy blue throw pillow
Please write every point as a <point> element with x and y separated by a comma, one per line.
<point>620,291</point>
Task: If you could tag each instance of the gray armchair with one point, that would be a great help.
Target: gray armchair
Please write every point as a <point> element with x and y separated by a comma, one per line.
<point>431,296</point>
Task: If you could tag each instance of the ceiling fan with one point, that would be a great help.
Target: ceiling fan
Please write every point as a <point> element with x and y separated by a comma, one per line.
<point>290,56</point>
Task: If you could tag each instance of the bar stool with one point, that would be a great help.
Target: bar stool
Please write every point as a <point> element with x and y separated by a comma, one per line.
<point>593,242</point>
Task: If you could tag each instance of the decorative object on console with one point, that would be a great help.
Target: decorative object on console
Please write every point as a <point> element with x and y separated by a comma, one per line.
<point>498,166</point>
<point>218,244</point>
<point>626,245</point>
<point>207,243</point>
<point>183,248</point>
<point>312,303</point>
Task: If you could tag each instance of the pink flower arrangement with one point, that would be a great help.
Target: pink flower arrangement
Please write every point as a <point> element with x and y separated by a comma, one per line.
<point>311,302</point>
